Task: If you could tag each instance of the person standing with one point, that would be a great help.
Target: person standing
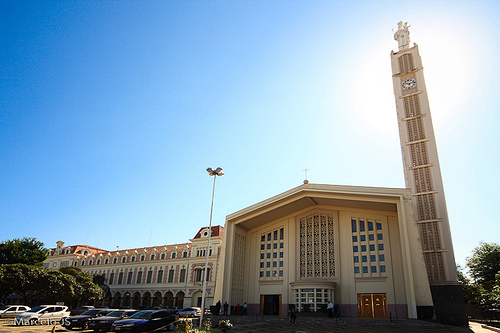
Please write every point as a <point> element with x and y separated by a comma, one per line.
<point>245,309</point>
<point>330,309</point>
<point>225,306</point>
<point>293,316</point>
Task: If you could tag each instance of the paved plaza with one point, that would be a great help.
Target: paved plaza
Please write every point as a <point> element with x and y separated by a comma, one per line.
<point>275,324</point>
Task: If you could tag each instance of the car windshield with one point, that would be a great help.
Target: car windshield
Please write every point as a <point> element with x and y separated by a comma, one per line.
<point>91,312</point>
<point>115,314</point>
<point>141,315</point>
<point>36,309</point>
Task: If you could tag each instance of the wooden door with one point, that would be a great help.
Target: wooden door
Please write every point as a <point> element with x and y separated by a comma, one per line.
<point>372,305</point>
<point>365,305</point>
<point>262,297</point>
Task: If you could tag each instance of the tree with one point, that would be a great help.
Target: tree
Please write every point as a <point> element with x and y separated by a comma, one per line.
<point>484,265</point>
<point>26,251</point>
<point>84,289</point>
<point>24,280</point>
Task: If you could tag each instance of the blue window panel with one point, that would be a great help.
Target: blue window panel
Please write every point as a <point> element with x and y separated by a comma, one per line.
<point>281,254</point>
<point>269,246</point>
<point>364,259</point>
<point>269,236</point>
<point>269,256</point>
<point>262,256</point>
<point>379,226</point>
<point>370,226</point>
<point>381,247</point>
<point>372,247</point>
<point>281,273</point>
<point>268,274</point>
<point>261,274</point>
<point>363,248</point>
<point>355,248</point>
<point>282,232</point>
<point>262,246</point>
<point>275,264</point>
<point>373,258</point>
<point>361,226</point>
<point>281,263</point>
<point>374,269</point>
<point>275,254</point>
<point>281,245</point>
<point>268,264</point>
<point>263,238</point>
<point>354,239</point>
<point>356,259</point>
<point>353,224</point>
<point>380,237</point>
<point>381,257</point>
<point>261,265</point>
<point>382,268</point>
<point>356,270</point>
<point>365,269</point>
<point>371,237</point>
<point>363,238</point>
<point>275,235</point>
<point>275,245</point>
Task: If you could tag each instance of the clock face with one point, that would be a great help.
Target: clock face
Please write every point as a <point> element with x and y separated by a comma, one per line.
<point>408,84</point>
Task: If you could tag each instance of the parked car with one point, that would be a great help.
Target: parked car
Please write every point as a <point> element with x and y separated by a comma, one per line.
<point>82,321</point>
<point>7,311</point>
<point>104,323</point>
<point>190,312</point>
<point>81,309</point>
<point>171,309</point>
<point>42,314</point>
<point>144,321</point>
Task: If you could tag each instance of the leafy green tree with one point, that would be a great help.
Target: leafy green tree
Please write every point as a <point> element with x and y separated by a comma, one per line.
<point>484,265</point>
<point>26,251</point>
<point>24,280</point>
<point>84,289</point>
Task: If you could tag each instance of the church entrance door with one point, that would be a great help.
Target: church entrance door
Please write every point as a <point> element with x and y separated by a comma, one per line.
<point>270,304</point>
<point>372,305</point>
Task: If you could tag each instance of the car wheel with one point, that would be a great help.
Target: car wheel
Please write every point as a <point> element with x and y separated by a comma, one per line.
<point>85,325</point>
<point>33,321</point>
<point>141,329</point>
<point>171,327</point>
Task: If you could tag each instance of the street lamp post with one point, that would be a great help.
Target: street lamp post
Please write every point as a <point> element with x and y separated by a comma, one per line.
<point>212,173</point>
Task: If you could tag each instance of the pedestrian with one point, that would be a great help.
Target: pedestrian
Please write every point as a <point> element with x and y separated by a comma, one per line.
<point>225,306</point>
<point>293,316</point>
<point>330,309</point>
<point>217,307</point>
<point>245,309</point>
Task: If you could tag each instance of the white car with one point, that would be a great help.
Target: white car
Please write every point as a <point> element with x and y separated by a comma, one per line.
<point>190,312</point>
<point>12,310</point>
<point>43,314</point>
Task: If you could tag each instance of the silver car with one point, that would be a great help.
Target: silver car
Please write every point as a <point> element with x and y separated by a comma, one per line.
<point>10,311</point>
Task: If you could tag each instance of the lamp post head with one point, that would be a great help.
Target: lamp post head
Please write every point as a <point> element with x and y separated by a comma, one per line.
<point>216,172</point>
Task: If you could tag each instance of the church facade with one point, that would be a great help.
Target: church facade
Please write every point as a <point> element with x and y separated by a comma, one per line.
<point>358,247</point>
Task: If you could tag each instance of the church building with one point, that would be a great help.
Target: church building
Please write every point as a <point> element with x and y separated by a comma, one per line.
<point>358,247</point>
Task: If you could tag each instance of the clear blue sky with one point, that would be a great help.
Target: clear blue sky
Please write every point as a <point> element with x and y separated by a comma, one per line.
<point>110,111</point>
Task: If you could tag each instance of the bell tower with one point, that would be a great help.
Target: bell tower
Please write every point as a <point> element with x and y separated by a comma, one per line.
<point>423,177</point>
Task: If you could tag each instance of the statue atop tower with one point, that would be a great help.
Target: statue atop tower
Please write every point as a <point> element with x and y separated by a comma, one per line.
<point>402,36</point>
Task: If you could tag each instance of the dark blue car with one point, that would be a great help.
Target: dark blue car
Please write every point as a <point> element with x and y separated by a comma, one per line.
<point>144,321</point>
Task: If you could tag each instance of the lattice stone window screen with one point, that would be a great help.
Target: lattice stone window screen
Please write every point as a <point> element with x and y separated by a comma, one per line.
<point>422,180</point>
<point>412,106</point>
<point>317,252</point>
<point>405,63</point>
<point>415,129</point>
<point>418,153</point>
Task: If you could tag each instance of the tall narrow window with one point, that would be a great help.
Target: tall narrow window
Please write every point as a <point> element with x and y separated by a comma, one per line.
<point>171,276</point>
<point>139,277</point>
<point>160,276</point>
